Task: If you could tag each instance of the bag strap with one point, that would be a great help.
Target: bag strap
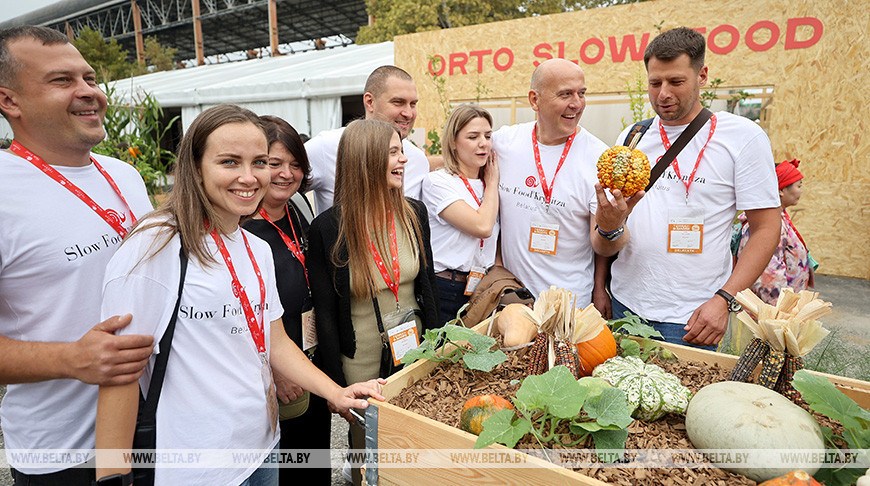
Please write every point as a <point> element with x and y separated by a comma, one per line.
<point>640,127</point>
<point>678,145</point>
<point>148,407</point>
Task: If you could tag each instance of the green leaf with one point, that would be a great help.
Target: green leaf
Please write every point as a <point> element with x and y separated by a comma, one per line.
<point>630,347</point>
<point>610,439</point>
<point>502,428</point>
<point>556,392</point>
<point>458,333</point>
<point>639,329</point>
<point>423,351</point>
<point>479,342</point>
<point>580,428</point>
<point>594,385</point>
<point>610,408</point>
<point>838,477</point>
<point>824,398</point>
<point>484,361</point>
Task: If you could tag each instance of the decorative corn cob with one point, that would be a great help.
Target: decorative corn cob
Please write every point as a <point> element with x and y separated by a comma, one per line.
<point>783,385</point>
<point>624,168</point>
<point>538,355</point>
<point>753,354</point>
<point>566,354</point>
<point>771,367</point>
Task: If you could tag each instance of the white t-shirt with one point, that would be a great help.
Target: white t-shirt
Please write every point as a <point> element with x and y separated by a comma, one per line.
<point>213,395</point>
<point>322,151</point>
<point>736,173</point>
<point>451,248</point>
<point>53,252</point>
<point>573,202</point>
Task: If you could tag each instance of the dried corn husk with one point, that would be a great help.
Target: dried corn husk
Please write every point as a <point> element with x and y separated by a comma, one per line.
<point>791,325</point>
<point>588,324</point>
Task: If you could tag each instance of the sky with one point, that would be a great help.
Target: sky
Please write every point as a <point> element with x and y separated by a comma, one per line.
<point>9,9</point>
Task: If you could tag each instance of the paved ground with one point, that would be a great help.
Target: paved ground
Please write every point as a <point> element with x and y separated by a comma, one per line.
<point>851,320</point>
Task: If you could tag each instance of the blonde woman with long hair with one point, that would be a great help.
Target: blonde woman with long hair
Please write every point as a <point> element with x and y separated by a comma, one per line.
<point>369,261</point>
<point>462,199</point>
<point>218,392</point>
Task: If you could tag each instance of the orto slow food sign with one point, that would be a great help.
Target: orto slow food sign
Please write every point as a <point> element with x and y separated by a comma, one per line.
<point>763,35</point>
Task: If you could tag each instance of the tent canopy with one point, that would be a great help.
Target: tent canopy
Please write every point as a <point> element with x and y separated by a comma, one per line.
<point>304,88</point>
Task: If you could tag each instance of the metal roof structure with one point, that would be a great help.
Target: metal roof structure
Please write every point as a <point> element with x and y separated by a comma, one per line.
<point>227,25</point>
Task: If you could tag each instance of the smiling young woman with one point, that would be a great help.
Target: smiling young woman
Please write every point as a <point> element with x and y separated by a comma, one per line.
<point>462,199</point>
<point>369,262</point>
<point>218,391</point>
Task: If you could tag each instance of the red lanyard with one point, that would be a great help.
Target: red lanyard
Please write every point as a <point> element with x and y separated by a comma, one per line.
<point>256,328</point>
<point>548,191</point>
<point>474,195</point>
<point>393,283</point>
<point>109,216</point>
<point>667,144</point>
<point>788,219</point>
<point>292,245</point>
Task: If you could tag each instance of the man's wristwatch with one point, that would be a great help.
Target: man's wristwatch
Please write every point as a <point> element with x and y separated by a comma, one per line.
<point>733,305</point>
<point>115,480</point>
<point>611,235</point>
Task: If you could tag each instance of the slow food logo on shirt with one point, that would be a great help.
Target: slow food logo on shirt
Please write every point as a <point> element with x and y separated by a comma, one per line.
<point>81,250</point>
<point>231,311</point>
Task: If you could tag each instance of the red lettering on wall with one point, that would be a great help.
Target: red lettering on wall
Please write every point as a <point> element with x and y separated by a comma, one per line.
<point>628,43</point>
<point>589,42</point>
<point>791,31</point>
<point>763,24</point>
<point>510,59</point>
<point>439,61</point>
<point>479,55</point>
<point>735,38</point>
<point>458,60</point>
<point>542,51</point>
<point>700,30</point>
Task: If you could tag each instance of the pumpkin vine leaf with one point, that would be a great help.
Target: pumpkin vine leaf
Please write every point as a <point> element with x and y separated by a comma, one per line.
<point>502,428</point>
<point>435,343</point>
<point>610,408</point>
<point>555,391</point>
<point>607,441</point>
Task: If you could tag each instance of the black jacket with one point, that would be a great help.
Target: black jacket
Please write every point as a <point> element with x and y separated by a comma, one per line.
<point>330,289</point>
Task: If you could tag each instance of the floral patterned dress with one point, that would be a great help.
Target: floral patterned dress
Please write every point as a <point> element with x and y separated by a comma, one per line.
<point>789,266</point>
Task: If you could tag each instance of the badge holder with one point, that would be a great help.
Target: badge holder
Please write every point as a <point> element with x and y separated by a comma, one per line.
<point>477,272</point>
<point>685,229</point>
<point>398,331</point>
<point>544,232</point>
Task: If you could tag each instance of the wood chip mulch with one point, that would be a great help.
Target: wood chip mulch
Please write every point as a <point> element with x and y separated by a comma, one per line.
<point>442,393</point>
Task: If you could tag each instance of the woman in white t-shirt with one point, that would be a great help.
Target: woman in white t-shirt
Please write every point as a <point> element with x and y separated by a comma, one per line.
<point>218,391</point>
<point>462,199</point>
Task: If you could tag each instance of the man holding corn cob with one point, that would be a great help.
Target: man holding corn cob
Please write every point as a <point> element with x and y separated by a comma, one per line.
<point>553,214</point>
<point>676,272</point>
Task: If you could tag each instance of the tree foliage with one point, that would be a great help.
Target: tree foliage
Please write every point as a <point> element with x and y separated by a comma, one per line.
<point>397,17</point>
<point>111,61</point>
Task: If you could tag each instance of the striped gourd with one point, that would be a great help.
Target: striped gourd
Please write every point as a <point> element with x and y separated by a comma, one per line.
<point>653,391</point>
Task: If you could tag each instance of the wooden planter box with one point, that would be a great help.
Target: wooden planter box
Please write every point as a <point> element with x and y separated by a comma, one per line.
<point>397,429</point>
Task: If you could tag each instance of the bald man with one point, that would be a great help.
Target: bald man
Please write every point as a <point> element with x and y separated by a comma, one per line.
<point>554,216</point>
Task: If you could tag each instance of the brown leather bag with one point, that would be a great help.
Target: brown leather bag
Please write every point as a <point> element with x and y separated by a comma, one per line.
<point>498,288</point>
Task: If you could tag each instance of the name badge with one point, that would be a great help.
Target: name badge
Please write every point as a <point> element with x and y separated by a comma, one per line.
<point>309,331</point>
<point>543,238</point>
<point>270,391</point>
<point>474,277</point>
<point>685,230</point>
<point>403,338</point>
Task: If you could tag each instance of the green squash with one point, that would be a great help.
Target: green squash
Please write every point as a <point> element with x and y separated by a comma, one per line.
<point>651,390</point>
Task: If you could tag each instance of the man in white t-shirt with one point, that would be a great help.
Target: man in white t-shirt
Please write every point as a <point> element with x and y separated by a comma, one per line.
<point>553,214</point>
<point>676,270</point>
<point>54,247</point>
<point>390,96</point>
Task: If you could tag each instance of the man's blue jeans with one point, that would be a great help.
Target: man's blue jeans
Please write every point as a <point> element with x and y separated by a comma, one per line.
<point>672,332</point>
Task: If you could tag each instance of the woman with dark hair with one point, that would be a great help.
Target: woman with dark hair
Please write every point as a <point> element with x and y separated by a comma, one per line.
<point>218,391</point>
<point>280,223</point>
<point>462,199</point>
<point>370,262</point>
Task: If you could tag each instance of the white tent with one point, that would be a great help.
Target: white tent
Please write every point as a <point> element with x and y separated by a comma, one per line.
<point>304,88</point>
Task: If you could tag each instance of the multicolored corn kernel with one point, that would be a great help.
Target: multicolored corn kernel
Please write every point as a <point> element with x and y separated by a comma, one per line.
<point>754,352</point>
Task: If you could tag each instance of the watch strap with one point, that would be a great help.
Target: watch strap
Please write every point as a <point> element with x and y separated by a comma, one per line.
<point>733,305</point>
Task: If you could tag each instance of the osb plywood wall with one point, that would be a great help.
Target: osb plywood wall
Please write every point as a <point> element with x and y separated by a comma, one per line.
<point>816,55</point>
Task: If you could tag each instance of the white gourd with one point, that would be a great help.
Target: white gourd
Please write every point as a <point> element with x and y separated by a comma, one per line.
<point>736,415</point>
<point>652,390</point>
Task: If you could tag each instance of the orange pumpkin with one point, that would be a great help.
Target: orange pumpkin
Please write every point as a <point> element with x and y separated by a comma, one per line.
<point>794,478</point>
<point>596,351</point>
<point>479,408</point>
